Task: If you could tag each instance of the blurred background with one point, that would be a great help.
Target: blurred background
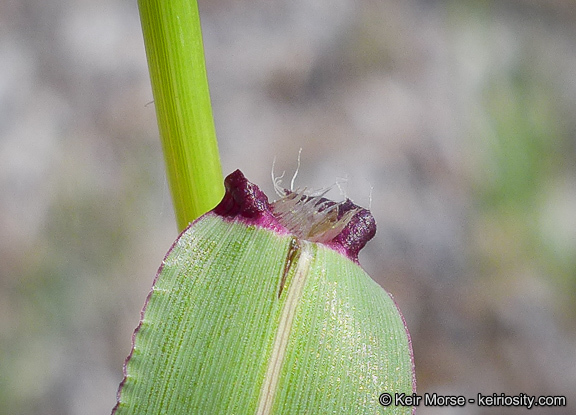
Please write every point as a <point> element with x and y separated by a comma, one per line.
<point>454,120</point>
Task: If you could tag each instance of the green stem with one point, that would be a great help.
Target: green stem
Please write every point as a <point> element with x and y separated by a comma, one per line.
<point>173,40</point>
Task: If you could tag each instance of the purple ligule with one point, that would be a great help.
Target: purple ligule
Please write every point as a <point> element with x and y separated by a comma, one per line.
<point>245,201</point>
<point>360,229</point>
<point>242,198</point>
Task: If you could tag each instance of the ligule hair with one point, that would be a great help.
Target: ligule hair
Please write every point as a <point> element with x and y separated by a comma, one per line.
<point>310,216</point>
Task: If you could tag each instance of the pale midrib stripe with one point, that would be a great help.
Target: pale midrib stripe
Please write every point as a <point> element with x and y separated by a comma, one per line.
<point>268,391</point>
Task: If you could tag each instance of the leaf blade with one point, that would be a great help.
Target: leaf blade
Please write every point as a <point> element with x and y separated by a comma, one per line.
<point>338,343</point>
<point>200,309</point>
<point>207,339</point>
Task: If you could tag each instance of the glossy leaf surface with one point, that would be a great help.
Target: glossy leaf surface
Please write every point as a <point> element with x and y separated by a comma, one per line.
<point>248,320</point>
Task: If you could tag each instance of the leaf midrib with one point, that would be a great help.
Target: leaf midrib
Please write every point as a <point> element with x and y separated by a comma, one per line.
<point>276,360</point>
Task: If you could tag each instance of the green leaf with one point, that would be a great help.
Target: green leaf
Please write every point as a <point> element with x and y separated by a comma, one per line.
<point>249,319</point>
